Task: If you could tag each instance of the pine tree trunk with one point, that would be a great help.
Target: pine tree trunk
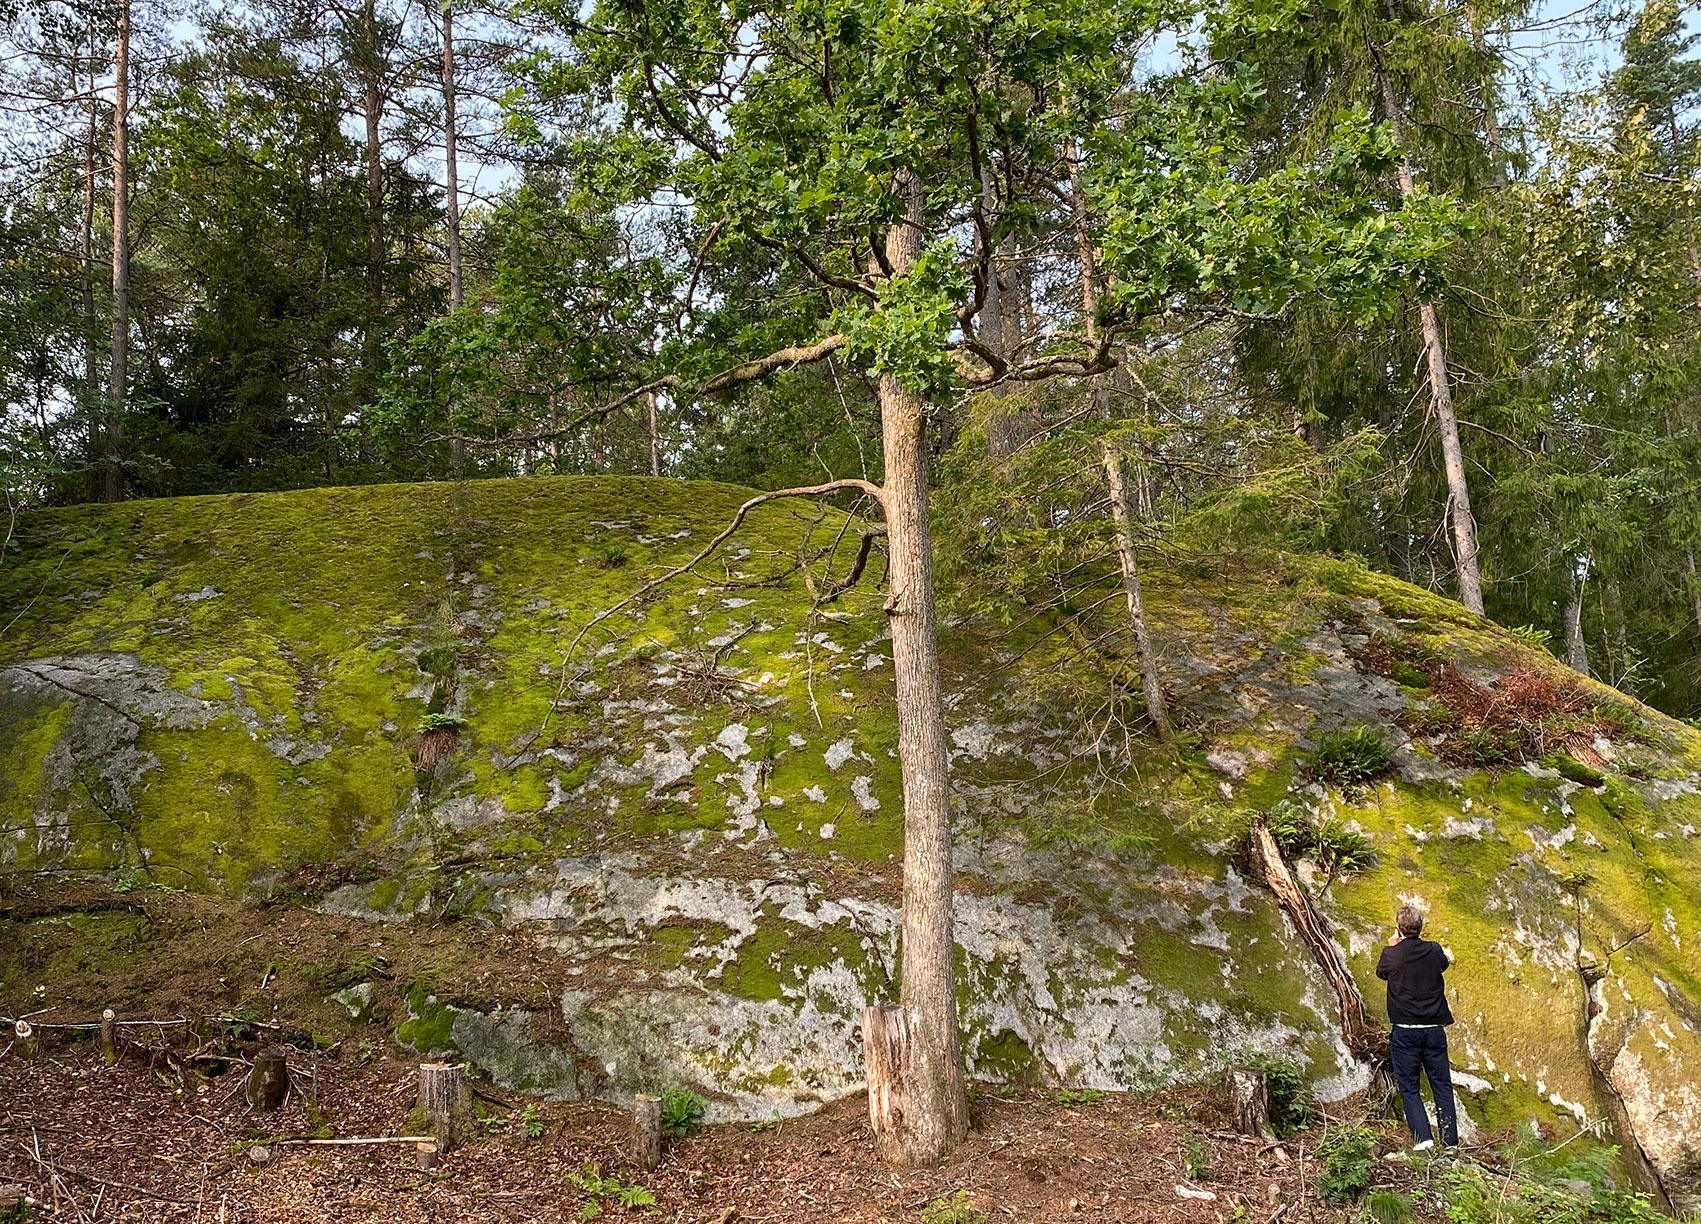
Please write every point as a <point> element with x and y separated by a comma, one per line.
<point>118,380</point>
<point>936,1115</point>
<point>1441,396</point>
<point>452,210</point>
<point>91,345</point>
<point>372,104</point>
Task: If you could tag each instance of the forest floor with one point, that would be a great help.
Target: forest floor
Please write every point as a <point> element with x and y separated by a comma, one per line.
<point>148,1139</point>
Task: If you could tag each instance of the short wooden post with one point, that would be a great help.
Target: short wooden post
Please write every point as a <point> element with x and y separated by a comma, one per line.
<point>23,1040</point>
<point>426,1154</point>
<point>445,1100</point>
<point>1247,1097</point>
<point>268,1081</point>
<point>109,1036</point>
<point>646,1131</point>
<point>885,1049</point>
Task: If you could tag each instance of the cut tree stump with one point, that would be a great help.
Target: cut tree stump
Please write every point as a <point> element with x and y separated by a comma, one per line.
<point>426,1154</point>
<point>109,1036</point>
<point>646,1131</point>
<point>1247,1097</point>
<point>268,1082</point>
<point>445,1102</point>
<point>885,1049</point>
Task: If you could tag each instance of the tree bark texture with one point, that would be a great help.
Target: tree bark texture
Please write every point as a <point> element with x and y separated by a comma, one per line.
<point>646,1131</point>
<point>935,1117</point>
<point>1362,1035</point>
<point>452,218</point>
<point>1576,648</point>
<point>1441,395</point>
<point>445,1102</point>
<point>1246,1095</point>
<point>372,105</point>
<point>118,371</point>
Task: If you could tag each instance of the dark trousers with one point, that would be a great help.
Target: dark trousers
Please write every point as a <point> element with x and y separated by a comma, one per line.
<point>1425,1049</point>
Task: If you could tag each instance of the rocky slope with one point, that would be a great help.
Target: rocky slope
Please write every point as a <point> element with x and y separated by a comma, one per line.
<point>385,703</point>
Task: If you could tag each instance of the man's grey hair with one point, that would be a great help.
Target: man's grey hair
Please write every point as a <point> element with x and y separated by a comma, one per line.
<point>1409,920</point>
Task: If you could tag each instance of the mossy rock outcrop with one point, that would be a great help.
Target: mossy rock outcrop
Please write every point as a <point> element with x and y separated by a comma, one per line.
<point>398,703</point>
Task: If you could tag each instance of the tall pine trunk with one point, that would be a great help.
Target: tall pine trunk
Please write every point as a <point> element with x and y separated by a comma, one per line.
<point>935,1116</point>
<point>372,103</point>
<point>86,293</point>
<point>1441,393</point>
<point>452,210</point>
<point>118,380</point>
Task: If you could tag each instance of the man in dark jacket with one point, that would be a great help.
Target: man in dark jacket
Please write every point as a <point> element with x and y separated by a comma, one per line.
<point>1417,1008</point>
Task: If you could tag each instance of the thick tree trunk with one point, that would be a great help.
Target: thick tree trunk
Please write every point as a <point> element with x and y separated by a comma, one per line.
<point>1576,649</point>
<point>935,1118</point>
<point>1441,397</point>
<point>452,211</point>
<point>118,374</point>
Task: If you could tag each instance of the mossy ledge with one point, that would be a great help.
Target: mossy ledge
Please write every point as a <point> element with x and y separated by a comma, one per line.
<point>375,704</point>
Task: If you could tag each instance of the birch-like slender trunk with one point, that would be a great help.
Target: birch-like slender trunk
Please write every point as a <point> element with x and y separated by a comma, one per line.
<point>118,380</point>
<point>1576,649</point>
<point>935,1117</point>
<point>452,218</point>
<point>1122,507</point>
<point>655,435</point>
<point>1441,394</point>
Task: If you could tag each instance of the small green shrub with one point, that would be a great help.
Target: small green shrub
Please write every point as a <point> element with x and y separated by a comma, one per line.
<point>532,1121</point>
<point>1387,1207</point>
<point>607,1189</point>
<point>1486,749</point>
<point>1341,851</point>
<point>439,721</point>
<point>1348,1158</point>
<point>439,661</point>
<point>682,1111</point>
<point>954,1208</point>
<point>1291,1106</point>
<point>1350,757</point>
<point>1200,1157</point>
<point>1536,637</point>
<point>1079,1096</point>
<point>1291,827</point>
<point>613,557</point>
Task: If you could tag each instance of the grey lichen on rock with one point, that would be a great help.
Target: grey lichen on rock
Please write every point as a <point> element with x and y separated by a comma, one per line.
<point>696,809</point>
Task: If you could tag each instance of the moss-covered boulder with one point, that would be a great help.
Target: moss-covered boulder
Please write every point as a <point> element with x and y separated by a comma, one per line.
<point>400,703</point>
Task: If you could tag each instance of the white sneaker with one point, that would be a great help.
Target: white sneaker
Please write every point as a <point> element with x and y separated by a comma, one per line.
<point>1425,1146</point>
